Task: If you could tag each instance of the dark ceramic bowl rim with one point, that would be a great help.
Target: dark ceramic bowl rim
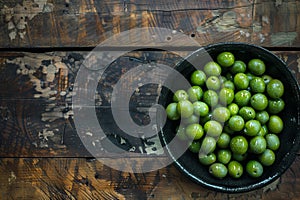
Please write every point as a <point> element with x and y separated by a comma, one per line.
<point>290,157</point>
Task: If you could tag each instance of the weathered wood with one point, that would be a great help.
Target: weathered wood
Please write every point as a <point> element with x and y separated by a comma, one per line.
<point>36,102</point>
<point>77,23</point>
<point>41,153</point>
<point>37,122</point>
<point>277,23</point>
<point>75,178</point>
<point>87,23</point>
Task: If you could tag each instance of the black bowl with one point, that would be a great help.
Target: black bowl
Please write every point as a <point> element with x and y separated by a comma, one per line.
<point>290,137</point>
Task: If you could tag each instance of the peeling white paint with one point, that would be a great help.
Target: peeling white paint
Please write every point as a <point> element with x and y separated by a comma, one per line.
<point>69,114</point>
<point>227,22</point>
<point>44,87</point>
<point>52,115</point>
<point>246,34</point>
<point>298,61</point>
<point>132,149</point>
<point>155,148</point>
<point>22,34</point>
<point>49,71</point>
<point>45,134</point>
<point>283,38</point>
<point>215,13</point>
<point>10,25</point>
<point>63,93</point>
<point>261,38</point>
<point>257,27</point>
<point>12,35</point>
<point>285,58</point>
<point>265,19</point>
<point>141,150</point>
<point>17,17</point>
<point>12,178</point>
<point>278,3</point>
<point>122,141</point>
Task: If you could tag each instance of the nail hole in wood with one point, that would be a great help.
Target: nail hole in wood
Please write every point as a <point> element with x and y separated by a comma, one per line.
<point>97,176</point>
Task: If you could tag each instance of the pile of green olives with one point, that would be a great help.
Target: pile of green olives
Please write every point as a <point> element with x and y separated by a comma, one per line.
<point>231,116</point>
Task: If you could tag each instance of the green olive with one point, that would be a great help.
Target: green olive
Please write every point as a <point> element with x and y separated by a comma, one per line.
<point>218,170</point>
<point>239,145</point>
<point>207,159</point>
<point>256,66</point>
<point>254,168</point>
<point>235,169</point>
<point>225,59</point>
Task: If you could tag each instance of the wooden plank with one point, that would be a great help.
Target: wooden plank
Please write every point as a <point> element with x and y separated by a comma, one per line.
<point>277,23</point>
<point>37,122</point>
<point>78,178</point>
<point>36,102</point>
<point>170,5</point>
<point>25,133</point>
<point>88,23</point>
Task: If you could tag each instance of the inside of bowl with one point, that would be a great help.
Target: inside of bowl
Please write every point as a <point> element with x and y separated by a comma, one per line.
<point>188,163</point>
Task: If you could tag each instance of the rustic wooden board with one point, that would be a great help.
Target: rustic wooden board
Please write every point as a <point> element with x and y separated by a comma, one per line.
<point>78,178</point>
<point>36,102</point>
<point>41,154</point>
<point>58,23</point>
<point>277,23</point>
<point>36,119</point>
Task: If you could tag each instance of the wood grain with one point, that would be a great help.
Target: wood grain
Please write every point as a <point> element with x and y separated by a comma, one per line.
<point>275,25</point>
<point>38,122</point>
<point>36,102</point>
<point>78,178</point>
<point>87,23</point>
<point>43,44</point>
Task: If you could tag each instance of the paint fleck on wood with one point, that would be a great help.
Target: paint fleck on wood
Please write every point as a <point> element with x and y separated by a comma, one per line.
<point>17,17</point>
<point>283,38</point>
<point>36,90</point>
<point>12,178</point>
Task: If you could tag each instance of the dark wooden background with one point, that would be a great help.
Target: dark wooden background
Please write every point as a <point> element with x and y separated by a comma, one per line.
<point>41,155</point>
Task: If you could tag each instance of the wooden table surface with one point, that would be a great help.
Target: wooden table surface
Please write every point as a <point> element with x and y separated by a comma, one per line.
<point>43,44</point>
